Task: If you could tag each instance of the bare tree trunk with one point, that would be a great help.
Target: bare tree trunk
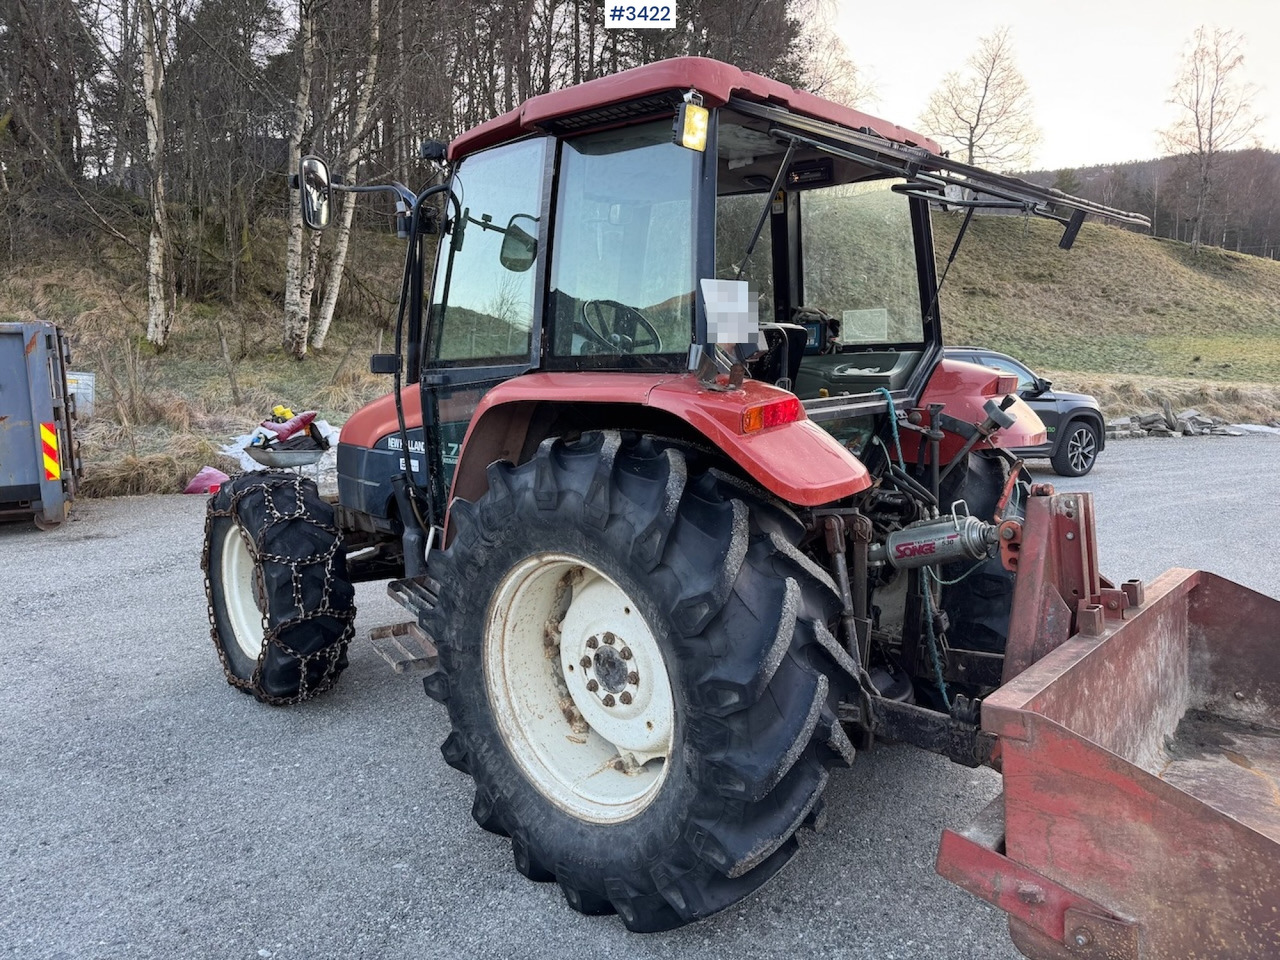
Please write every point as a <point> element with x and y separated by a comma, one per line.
<point>310,271</point>
<point>1202,205</point>
<point>350,158</point>
<point>155,30</point>
<point>297,307</point>
<point>123,67</point>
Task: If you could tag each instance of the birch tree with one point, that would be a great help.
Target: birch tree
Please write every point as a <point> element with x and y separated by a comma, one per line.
<point>1215,111</point>
<point>985,111</point>
<point>356,134</point>
<point>299,256</point>
<point>155,34</point>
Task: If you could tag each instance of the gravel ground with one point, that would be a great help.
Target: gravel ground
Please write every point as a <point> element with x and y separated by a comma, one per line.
<point>151,811</point>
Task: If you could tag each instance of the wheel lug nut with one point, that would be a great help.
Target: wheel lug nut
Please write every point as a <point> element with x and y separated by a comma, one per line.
<point>586,662</point>
<point>608,700</point>
<point>633,678</point>
<point>592,643</point>
<point>592,686</point>
<point>624,697</point>
<point>625,653</point>
<point>610,639</point>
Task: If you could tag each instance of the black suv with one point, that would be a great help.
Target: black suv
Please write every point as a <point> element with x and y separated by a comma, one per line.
<point>1073,420</point>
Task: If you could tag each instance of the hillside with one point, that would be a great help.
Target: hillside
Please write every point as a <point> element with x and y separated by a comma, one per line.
<point>1117,302</point>
<point>1131,318</point>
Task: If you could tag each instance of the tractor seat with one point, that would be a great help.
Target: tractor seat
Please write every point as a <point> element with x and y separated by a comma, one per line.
<point>781,361</point>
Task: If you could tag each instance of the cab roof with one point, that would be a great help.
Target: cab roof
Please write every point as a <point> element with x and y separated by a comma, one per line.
<point>654,88</point>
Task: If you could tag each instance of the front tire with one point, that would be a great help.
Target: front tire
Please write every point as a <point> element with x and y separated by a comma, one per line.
<point>281,609</point>
<point>605,567</point>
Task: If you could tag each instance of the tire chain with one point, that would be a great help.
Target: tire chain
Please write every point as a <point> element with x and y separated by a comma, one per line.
<point>332,653</point>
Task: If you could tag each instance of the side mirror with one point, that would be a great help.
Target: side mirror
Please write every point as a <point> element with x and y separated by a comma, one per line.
<point>519,246</point>
<point>313,182</point>
<point>1042,385</point>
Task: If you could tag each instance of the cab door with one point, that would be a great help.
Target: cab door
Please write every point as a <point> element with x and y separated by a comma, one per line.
<point>483,322</point>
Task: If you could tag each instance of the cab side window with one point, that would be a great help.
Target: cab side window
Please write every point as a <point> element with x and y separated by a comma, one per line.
<point>486,272</point>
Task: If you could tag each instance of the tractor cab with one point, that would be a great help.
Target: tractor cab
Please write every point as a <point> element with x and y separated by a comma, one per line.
<point>681,232</point>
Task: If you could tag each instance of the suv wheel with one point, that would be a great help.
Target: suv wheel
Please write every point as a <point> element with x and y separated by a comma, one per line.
<point>1078,450</point>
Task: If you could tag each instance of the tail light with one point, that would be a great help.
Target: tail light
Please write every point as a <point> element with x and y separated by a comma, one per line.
<point>771,414</point>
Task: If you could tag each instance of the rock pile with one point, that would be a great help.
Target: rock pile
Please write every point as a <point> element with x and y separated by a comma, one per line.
<point>1188,423</point>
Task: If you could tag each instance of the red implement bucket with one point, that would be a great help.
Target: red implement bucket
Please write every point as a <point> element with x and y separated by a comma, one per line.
<point>1140,818</point>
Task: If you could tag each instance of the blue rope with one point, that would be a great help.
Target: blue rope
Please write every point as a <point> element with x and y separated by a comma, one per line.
<point>893,422</point>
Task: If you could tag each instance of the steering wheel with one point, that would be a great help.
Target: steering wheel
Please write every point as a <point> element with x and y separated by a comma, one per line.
<point>620,332</point>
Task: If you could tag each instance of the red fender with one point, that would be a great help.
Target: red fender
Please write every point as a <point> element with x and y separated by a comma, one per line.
<point>797,461</point>
<point>963,388</point>
<point>377,418</point>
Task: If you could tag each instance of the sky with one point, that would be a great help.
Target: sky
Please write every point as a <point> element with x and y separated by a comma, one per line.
<point>1099,71</point>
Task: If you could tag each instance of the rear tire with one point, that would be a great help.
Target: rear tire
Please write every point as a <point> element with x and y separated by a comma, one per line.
<point>682,801</point>
<point>1078,449</point>
<point>281,609</point>
<point>978,605</point>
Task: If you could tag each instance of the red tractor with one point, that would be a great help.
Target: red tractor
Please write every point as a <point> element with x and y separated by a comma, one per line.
<point>687,508</point>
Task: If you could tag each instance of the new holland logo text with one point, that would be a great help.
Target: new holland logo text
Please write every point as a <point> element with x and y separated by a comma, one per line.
<point>415,446</point>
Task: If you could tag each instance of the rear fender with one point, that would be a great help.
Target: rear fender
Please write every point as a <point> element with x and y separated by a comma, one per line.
<point>798,462</point>
<point>963,388</point>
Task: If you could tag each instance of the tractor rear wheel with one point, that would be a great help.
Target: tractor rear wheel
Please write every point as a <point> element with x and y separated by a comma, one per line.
<point>978,597</point>
<point>281,609</point>
<point>640,676</point>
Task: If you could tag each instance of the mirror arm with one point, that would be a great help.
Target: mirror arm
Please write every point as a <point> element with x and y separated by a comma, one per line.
<point>400,190</point>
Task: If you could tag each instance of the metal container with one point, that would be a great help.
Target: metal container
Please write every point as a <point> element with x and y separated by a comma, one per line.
<point>39,458</point>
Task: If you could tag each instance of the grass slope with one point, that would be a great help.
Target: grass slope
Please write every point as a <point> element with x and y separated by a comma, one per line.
<point>1116,303</point>
<point>159,417</point>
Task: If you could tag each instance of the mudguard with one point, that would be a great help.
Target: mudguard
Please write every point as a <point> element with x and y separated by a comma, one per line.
<point>796,461</point>
<point>963,388</point>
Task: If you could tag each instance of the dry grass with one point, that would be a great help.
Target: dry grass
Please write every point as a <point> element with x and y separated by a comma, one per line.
<point>1117,303</point>
<point>122,462</point>
<point>1130,394</point>
<point>159,418</point>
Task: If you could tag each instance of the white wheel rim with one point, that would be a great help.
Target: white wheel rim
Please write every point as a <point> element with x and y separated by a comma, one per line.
<point>579,688</point>
<point>239,594</point>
